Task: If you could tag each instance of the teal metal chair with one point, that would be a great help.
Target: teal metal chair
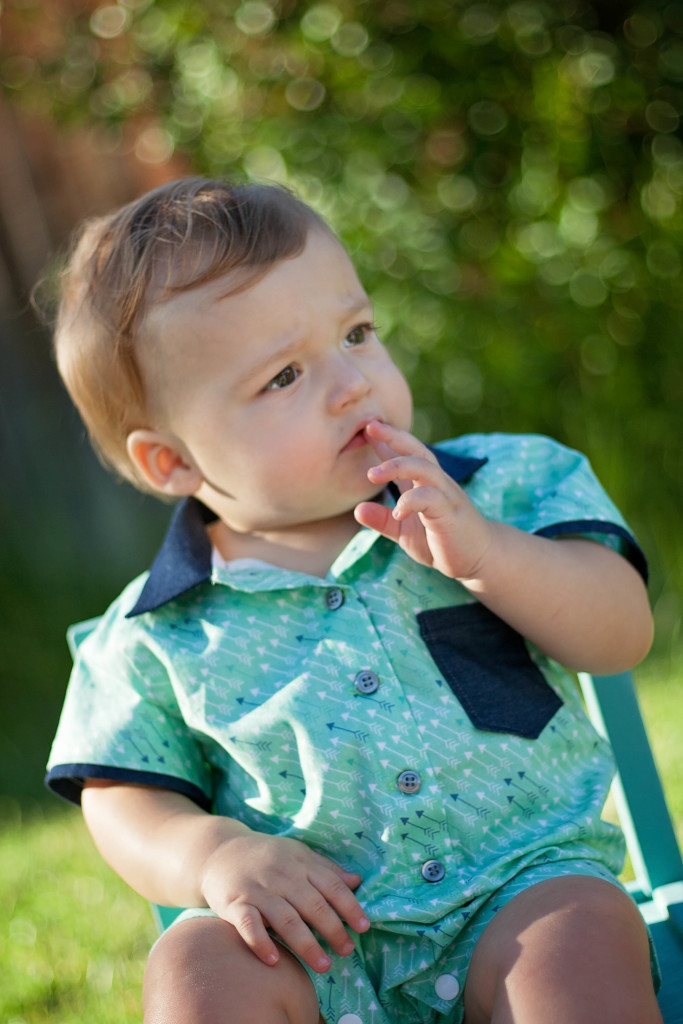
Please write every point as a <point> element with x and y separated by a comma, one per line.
<point>643,814</point>
<point>650,837</point>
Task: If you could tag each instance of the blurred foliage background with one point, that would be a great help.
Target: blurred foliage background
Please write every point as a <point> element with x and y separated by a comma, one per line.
<point>507,176</point>
<point>509,180</point>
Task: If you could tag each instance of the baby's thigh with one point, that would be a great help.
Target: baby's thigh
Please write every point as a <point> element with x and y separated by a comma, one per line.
<point>200,970</point>
<point>567,938</point>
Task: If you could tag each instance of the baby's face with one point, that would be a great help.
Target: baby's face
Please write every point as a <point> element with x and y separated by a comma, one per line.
<point>270,388</point>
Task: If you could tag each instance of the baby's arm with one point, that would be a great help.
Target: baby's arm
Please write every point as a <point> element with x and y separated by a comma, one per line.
<point>175,854</point>
<point>578,601</point>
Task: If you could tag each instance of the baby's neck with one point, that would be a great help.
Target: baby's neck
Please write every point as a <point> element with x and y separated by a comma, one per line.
<point>310,548</point>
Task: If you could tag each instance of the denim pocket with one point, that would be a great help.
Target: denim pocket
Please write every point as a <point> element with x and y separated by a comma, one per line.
<point>487,665</point>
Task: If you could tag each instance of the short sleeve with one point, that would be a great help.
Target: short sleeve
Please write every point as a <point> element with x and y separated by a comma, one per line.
<point>542,487</point>
<point>120,718</point>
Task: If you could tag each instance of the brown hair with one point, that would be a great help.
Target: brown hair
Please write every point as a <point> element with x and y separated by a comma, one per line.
<point>177,237</point>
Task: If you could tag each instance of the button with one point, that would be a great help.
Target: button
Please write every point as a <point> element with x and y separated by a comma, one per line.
<point>432,871</point>
<point>447,986</point>
<point>366,682</point>
<point>409,781</point>
<point>334,598</point>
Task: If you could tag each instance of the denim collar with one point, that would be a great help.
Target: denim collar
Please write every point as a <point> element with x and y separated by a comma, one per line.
<point>184,559</point>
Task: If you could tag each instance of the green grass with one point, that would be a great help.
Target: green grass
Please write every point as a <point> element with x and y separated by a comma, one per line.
<point>660,693</point>
<point>74,938</point>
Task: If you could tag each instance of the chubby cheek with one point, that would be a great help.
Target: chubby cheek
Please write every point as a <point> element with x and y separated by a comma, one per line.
<point>278,459</point>
<point>402,402</point>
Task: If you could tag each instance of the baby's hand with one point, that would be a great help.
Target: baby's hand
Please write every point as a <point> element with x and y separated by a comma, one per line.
<point>433,521</point>
<point>257,881</point>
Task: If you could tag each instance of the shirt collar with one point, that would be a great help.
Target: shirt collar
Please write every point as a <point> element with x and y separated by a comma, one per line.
<point>184,560</point>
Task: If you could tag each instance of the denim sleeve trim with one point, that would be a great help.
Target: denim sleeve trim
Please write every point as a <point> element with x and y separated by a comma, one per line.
<point>632,551</point>
<point>66,781</point>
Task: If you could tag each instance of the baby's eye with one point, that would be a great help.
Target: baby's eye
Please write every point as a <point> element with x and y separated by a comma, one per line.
<point>357,335</point>
<point>283,379</point>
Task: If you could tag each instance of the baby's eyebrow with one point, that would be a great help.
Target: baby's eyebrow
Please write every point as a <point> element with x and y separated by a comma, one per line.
<point>281,354</point>
<point>355,302</point>
<point>278,355</point>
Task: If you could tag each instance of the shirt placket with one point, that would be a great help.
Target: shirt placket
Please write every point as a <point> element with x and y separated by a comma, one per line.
<point>398,777</point>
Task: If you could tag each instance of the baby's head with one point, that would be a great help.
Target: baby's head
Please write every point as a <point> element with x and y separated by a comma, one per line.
<point>217,342</point>
<point>124,266</point>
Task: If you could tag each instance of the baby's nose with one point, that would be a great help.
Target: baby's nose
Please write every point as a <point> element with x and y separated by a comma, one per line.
<point>349,385</point>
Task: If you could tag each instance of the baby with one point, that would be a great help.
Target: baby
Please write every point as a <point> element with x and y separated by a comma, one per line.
<point>331,720</point>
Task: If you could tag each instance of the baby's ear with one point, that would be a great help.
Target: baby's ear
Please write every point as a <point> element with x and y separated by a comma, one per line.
<point>164,462</point>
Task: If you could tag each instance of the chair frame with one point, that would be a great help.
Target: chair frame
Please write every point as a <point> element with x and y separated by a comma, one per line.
<point>641,806</point>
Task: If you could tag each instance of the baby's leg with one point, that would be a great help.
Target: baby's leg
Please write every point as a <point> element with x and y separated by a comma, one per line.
<point>567,950</point>
<point>201,972</point>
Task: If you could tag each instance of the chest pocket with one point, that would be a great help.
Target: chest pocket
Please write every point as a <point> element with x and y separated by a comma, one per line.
<point>487,665</point>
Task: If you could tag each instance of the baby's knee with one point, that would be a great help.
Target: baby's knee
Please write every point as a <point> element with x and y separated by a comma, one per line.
<point>584,909</point>
<point>183,975</point>
<point>571,913</point>
<point>558,931</point>
<point>201,972</point>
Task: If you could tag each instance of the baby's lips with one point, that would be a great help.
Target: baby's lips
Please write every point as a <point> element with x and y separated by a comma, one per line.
<point>375,419</point>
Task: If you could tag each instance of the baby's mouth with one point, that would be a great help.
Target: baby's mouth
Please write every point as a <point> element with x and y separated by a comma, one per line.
<point>358,440</point>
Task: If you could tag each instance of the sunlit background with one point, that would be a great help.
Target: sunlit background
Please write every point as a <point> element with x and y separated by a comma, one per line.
<point>507,177</point>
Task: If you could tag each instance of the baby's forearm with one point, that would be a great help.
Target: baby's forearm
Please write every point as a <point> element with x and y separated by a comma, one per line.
<point>175,854</point>
<point>157,840</point>
<point>580,602</point>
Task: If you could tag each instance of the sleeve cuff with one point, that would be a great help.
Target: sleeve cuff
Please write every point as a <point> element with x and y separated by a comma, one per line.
<point>66,781</point>
<point>630,548</point>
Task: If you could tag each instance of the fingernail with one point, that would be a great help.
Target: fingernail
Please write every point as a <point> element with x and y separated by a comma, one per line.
<point>363,922</point>
<point>272,958</point>
<point>323,963</point>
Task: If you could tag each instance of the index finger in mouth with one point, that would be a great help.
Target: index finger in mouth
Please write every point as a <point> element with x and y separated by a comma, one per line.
<point>400,442</point>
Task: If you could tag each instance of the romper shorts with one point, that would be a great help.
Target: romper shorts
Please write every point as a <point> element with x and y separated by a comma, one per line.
<point>400,974</point>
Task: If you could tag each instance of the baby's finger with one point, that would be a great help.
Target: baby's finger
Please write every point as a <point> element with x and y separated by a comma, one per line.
<point>316,912</point>
<point>430,502</point>
<point>399,442</point>
<point>286,921</point>
<point>407,469</point>
<point>383,450</point>
<point>337,892</point>
<point>247,920</point>
<point>351,878</point>
<point>377,517</point>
